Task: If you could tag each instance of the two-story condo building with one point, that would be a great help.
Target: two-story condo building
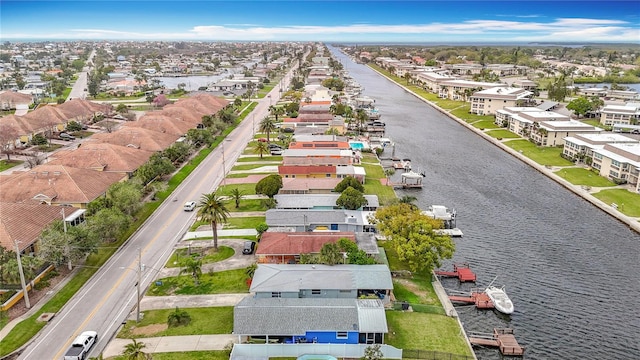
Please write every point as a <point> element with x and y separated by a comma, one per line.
<point>619,162</point>
<point>487,102</point>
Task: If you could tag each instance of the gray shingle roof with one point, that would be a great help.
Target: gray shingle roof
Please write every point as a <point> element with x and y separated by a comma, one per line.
<point>294,277</point>
<point>294,316</point>
<point>307,201</point>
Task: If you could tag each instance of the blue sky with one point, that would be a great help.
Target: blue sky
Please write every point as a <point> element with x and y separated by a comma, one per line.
<point>449,21</point>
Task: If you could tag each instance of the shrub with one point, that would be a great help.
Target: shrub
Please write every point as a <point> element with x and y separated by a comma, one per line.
<point>178,318</point>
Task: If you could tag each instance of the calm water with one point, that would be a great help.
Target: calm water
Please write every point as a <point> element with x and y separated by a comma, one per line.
<point>571,270</point>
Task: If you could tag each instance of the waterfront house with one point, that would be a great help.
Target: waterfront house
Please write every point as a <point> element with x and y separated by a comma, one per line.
<point>580,146</point>
<point>320,220</point>
<point>619,162</point>
<point>308,185</point>
<point>553,133</point>
<point>318,201</point>
<point>487,102</point>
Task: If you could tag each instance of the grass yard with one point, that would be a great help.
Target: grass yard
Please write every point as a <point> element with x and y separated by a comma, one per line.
<point>201,323</point>
<point>210,255</point>
<point>190,355</point>
<point>245,205</point>
<point>542,155</point>
<point>464,114</point>
<point>447,104</point>
<point>502,134</point>
<point>628,202</point>
<point>373,186</point>
<point>249,166</point>
<point>257,158</point>
<point>246,189</point>
<point>581,176</point>
<point>223,282</point>
<point>485,124</point>
<point>423,331</point>
<point>243,222</point>
<point>4,164</point>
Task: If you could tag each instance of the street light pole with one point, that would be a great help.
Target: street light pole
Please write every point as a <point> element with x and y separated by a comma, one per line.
<point>138,287</point>
<point>224,167</point>
<point>27,303</point>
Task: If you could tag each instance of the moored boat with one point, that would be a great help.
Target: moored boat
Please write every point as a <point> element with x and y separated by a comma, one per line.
<point>501,301</point>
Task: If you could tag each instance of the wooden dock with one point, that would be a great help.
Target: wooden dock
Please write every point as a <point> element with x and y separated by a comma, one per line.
<point>479,299</point>
<point>501,338</point>
<point>461,271</point>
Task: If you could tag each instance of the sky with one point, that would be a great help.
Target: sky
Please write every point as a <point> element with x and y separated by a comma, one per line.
<point>370,21</point>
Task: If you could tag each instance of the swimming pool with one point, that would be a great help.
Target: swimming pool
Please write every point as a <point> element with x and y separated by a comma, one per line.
<point>357,145</point>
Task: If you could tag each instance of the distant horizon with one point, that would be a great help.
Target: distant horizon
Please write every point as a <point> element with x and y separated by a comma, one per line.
<point>328,21</point>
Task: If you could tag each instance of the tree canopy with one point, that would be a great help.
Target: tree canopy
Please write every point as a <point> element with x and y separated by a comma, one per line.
<point>349,181</point>
<point>269,186</point>
<point>412,236</point>
<point>351,199</point>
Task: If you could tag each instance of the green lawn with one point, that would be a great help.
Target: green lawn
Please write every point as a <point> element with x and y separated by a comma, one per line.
<point>245,205</point>
<point>463,113</point>
<point>424,331</point>
<point>628,202</point>
<point>581,176</point>
<point>447,104</point>
<point>250,166</point>
<point>244,222</point>
<point>542,155</point>
<point>4,164</point>
<point>190,355</point>
<point>223,282</point>
<point>210,256</point>
<point>201,322</point>
<point>485,124</point>
<point>502,134</point>
<point>373,186</point>
<point>246,189</point>
<point>257,158</point>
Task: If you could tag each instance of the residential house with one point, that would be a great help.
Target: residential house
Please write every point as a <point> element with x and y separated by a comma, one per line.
<point>320,220</point>
<point>319,201</point>
<point>301,320</point>
<point>12,100</point>
<point>462,90</point>
<point>346,155</point>
<point>487,102</point>
<point>341,145</point>
<point>321,281</point>
<point>580,146</point>
<point>619,162</point>
<point>104,157</point>
<point>553,133</point>
<point>308,185</point>
<point>620,114</point>
<point>56,185</point>
<point>135,137</point>
<point>286,247</point>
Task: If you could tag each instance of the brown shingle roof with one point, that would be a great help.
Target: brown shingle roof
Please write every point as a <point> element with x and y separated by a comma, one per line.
<point>45,117</point>
<point>17,123</point>
<point>56,184</point>
<point>296,243</point>
<point>24,223</point>
<point>11,98</point>
<point>82,110</point>
<point>163,124</point>
<point>137,137</point>
<point>103,157</point>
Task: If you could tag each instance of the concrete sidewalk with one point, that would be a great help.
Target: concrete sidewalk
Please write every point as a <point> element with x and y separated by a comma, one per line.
<point>172,344</point>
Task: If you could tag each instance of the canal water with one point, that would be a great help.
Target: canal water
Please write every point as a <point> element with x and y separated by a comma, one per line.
<point>572,271</point>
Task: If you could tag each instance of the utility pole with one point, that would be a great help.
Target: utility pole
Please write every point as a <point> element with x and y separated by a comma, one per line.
<point>66,244</point>
<point>24,286</point>
<point>224,167</point>
<point>138,286</point>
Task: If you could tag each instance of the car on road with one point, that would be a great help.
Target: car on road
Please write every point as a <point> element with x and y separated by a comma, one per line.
<point>66,137</point>
<point>189,206</point>
<point>81,346</point>
<point>249,247</point>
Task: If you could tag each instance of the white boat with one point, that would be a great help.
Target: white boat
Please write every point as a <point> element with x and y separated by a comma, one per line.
<point>501,301</point>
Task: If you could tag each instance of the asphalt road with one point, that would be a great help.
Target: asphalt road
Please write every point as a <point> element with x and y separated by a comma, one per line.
<point>108,298</point>
<point>77,90</point>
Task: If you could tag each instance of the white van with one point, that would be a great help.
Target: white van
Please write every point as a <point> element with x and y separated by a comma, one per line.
<point>189,206</point>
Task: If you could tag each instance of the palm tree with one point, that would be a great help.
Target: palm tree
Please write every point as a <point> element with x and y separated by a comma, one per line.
<point>261,148</point>
<point>276,111</point>
<point>212,210</point>
<point>267,125</point>
<point>193,267</point>
<point>134,351</point>
<point>237,195</point>
<point>408,199</point>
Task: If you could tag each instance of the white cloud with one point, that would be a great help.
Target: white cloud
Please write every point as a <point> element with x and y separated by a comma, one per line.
<point>562,29</point>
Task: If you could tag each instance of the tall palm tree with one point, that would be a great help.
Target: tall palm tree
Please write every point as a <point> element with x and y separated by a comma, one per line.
<point>267,125</point>
<point>408,199</point>
<point>134,351</point>
<point>212,210</point>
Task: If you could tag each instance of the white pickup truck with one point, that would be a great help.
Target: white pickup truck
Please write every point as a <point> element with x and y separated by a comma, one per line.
<point>81,346</point>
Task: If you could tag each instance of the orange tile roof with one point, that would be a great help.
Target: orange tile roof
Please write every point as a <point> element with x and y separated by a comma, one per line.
<point>296,243</point>
<point>306,170</point>
<point>102,157</point>
<point>137,137</point>
<point>25,222</point>
<point>56,184</point>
